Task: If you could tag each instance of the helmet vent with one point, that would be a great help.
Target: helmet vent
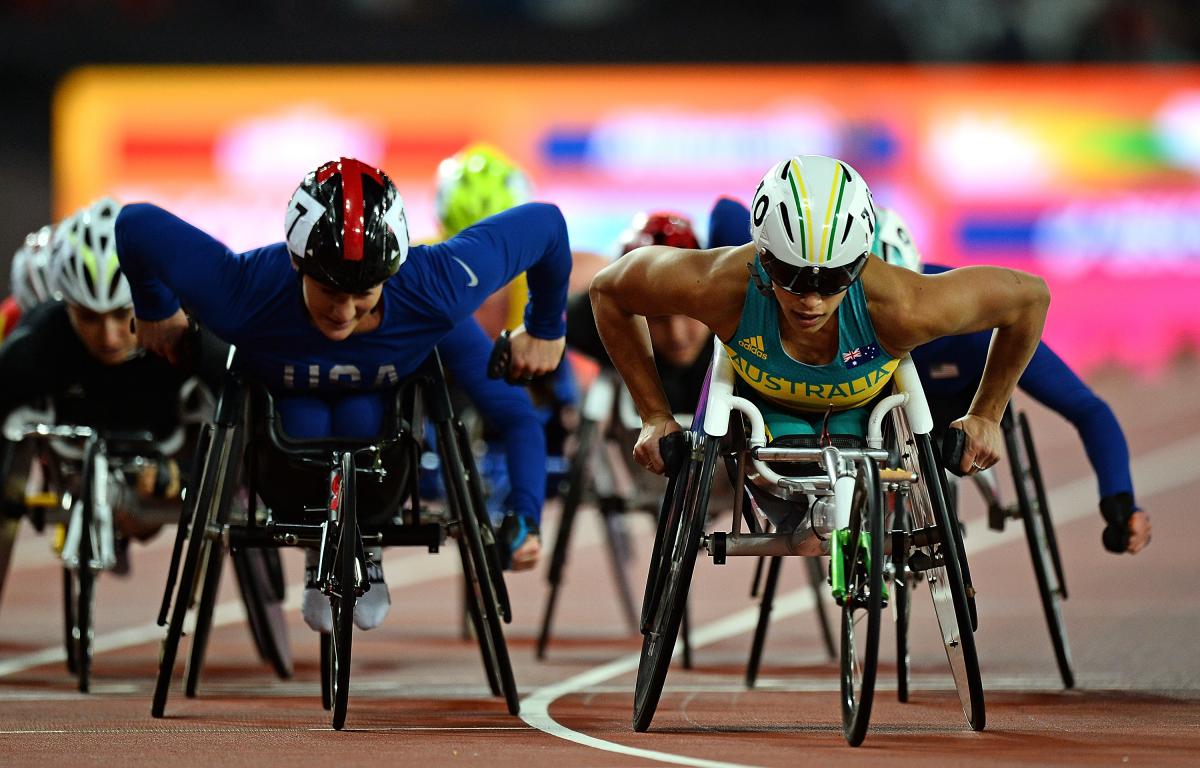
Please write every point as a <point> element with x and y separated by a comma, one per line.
<point>787,224</point>
<point>846,231</point>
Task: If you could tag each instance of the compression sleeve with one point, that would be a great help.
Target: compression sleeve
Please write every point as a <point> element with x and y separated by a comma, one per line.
<point>507,409</point>
<point>728,223</point>
<point>1052,383</point>
<point>456,276</point>
<point>168,261</point>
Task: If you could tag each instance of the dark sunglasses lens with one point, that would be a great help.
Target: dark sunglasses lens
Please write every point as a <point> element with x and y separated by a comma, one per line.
<point>826,281</point>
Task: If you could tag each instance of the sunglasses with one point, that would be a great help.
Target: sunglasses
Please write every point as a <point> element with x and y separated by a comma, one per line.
<point>827,281</point>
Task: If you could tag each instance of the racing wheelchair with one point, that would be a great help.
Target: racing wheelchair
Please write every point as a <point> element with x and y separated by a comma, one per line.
<point>599,472</point>
<point>77,483</point>
<point>1031,508</point>
<point>358,494</point>
<point>845,520</point>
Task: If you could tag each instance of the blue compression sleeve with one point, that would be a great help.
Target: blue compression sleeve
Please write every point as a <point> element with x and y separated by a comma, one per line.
<point>508,409</point>
<point>1053,384</point>
<point>168,261</point>
<point>728,223</point>
<point>457,275</point>
<point>1048,379</point>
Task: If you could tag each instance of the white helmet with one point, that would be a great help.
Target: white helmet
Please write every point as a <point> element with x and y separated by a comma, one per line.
<point>812,223</point>
<point>894,243</point>
<point>30,277</point>
<point>84,255</point>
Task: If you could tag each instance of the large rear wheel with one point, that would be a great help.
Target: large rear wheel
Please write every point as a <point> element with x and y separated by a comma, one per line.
<point>1043,547</point>
<point>935,557</point>
<point>681,526</point>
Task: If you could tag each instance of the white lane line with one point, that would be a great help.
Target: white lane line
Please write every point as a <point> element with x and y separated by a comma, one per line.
<point>1160,470</point>
<point>260,729</point>
<point>403,570</point>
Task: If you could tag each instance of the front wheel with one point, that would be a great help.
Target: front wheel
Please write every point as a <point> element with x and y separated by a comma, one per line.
<point>862,604</point>
<point>343,590</point>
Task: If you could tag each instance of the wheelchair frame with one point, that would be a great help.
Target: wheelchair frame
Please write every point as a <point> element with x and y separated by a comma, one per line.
<point>89,536</point>
<point>857,547</point>
<point>207,528</point>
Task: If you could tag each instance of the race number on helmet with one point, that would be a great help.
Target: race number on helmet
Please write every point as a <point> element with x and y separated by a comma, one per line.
<point>346,226</point>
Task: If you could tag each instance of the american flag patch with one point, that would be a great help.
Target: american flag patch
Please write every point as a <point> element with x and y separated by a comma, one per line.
<point>860,355</point>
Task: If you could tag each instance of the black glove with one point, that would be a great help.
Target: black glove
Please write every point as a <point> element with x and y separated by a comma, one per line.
<point>1116,511</point>
<point>513,531</point>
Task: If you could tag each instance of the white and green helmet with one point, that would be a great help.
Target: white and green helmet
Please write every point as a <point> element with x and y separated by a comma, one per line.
<point>84,259</point>
<point>30,276</point>
<point>894,243</point>
<point>811,210</point>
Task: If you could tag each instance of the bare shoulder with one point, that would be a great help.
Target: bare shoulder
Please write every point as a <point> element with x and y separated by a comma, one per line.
<point>708,285</point>
<point>910,309</point>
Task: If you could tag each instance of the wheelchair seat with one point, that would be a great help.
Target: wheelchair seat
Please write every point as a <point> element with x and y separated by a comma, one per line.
<point>291,475</point>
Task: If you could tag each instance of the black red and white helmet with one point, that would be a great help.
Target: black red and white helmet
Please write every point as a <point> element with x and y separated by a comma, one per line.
<point>659,228</point>
<point>30,276</point>
<point>346,226</point>
<point>83,255</point>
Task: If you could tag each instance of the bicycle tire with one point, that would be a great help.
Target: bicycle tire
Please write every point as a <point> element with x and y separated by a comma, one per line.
<point>326,696</point>
<point>211,585</point>
<point>344,592</point>
<point>85,576</point>
<point>214,491</point>
<point>481,581</point>
<point>902,584</point>
<point>572,498</point>
<point>264,608</point>
<point>1035,518</point>
<point>864,572</point>
<point>950,602</point>
<point>69,620</point>
<point>684,523</point>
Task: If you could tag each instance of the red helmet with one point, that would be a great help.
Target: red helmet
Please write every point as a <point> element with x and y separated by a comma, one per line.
<point>346,226</point>
<point>660,228</point>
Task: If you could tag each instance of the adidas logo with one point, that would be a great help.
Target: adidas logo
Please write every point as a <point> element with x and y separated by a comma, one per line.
<point>754,346</point>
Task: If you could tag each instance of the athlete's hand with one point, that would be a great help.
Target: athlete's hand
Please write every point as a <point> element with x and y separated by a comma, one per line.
<point>984,441</point>
<point>646,452</point>
<point>533,357</point>
<point>163,337</point>
<point>1139,532</point>
<point>527,555</point>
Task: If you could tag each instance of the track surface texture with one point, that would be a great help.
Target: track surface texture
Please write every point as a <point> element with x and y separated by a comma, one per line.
<point>418,693</point>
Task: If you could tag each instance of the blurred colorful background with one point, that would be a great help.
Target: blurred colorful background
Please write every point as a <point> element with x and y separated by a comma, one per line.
<point>1087,175</point>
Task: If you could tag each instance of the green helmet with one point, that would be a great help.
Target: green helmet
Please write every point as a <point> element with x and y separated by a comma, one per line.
<point>477,182</point>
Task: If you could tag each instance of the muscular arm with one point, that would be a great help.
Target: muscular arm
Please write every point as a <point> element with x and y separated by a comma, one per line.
<point>709,286</point>
<point>508,409</point>
<point>460,274</point>
<point>914,309</point>
<point>168,261</point>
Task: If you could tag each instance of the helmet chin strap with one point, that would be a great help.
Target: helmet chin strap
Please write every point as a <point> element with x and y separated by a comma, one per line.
<point>764,287</point>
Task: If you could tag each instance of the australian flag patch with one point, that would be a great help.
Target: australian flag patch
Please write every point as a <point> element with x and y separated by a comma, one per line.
<point>860,355</point>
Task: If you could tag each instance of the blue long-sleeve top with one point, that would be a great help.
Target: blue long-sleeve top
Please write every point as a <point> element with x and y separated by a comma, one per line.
<point>951,368</point>
<point>254,300</point>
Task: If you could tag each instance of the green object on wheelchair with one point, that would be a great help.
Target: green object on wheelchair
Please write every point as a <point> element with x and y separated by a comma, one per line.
<point>839,546</point>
